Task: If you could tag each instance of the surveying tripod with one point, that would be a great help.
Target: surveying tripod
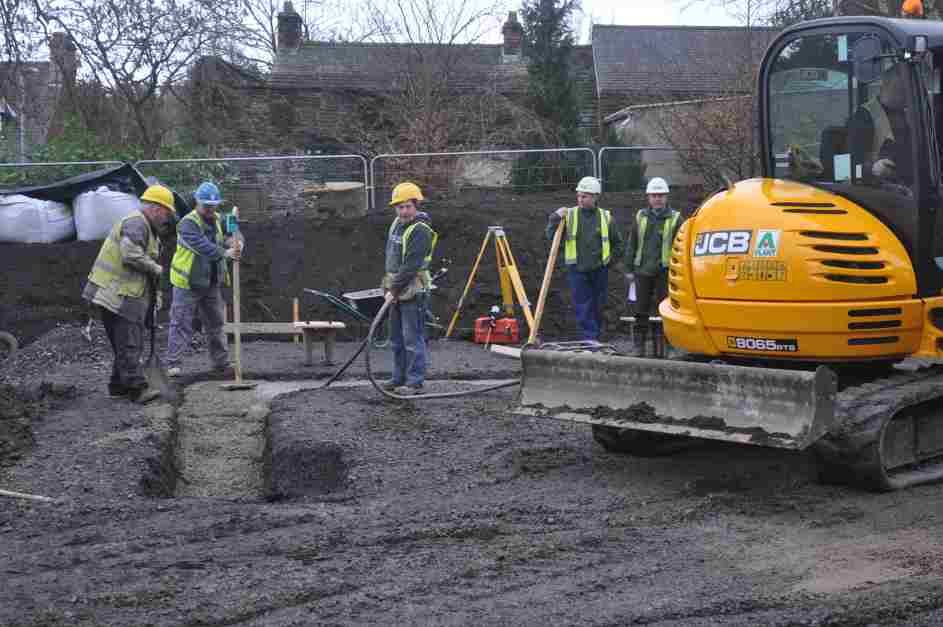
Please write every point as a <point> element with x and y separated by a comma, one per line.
<point>507,274</point>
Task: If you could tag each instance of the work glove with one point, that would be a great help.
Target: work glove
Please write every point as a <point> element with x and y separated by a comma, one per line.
<point>233,253</point>
<point>159,300</point>
<point>157,270</point>
<point>884,169</point>
<point>629,276</point>
<point>389,297</point>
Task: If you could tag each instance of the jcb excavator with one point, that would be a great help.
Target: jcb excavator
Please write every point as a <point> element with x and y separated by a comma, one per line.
<point>794,296</point>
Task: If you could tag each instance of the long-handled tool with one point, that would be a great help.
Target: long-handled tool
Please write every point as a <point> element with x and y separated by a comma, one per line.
<point>154,372</point>
<point>238,384</point>
<point>545,285</point>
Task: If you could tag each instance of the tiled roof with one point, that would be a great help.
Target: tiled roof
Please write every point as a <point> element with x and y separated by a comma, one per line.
<point>379,67</point>
<point>674,60</point>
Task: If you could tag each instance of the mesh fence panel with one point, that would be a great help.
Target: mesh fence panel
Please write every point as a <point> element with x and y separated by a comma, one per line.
<point>262,187</point>
<point>445,175</point>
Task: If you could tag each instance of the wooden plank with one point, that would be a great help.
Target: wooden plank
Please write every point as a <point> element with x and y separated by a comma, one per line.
<point>506,351</point>
<point>319,324</point>
<point>264,328</point>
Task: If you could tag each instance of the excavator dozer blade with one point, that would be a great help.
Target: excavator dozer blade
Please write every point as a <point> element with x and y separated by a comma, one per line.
<point>763,406</point>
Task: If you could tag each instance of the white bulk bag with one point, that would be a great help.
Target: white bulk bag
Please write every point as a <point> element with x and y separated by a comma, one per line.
<point>97,211</point>
<point>31,221</point>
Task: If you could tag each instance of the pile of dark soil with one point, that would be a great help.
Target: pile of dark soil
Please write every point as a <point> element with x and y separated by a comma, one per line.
<point>19,407</point>
<point>42,284</point>
<point>63,344</point>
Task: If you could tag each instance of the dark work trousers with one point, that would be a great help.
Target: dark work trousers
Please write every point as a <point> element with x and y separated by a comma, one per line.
<point>650,290</point>
<point>589,291</point>
<point>127,344</point>
<point>408,340</point>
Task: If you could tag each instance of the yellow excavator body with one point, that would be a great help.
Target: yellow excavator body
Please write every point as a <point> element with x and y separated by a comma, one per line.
<point>780,269</point>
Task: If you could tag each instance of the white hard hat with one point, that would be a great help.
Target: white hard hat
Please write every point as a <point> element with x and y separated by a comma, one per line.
<point>589,185</point>
<point>657,185</point>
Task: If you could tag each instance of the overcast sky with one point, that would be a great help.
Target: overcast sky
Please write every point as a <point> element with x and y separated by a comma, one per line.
<point>660,12</point>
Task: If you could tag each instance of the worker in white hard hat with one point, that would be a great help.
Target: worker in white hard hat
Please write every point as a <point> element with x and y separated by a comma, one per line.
<point>648,254</point>
<point>591,243</point>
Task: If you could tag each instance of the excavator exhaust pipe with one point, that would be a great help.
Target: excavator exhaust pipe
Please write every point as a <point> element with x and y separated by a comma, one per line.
<point>763,406</point>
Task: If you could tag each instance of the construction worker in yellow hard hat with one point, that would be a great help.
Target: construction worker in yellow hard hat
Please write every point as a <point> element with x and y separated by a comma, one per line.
<point>410,242</point>
<point>120,286</point>
<point>591,242</point>
<point>198,271</point>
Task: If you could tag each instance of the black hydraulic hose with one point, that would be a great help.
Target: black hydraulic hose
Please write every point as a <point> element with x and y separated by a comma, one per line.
<point>417,397</point>
<point>347,364</point>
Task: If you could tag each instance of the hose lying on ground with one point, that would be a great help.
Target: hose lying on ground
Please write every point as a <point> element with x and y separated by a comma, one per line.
<point>366,343</point>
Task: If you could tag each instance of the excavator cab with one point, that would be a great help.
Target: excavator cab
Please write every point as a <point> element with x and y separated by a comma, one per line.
<point>780,286</point>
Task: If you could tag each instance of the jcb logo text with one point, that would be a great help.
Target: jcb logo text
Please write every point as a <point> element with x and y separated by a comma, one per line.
<point>722,243</point>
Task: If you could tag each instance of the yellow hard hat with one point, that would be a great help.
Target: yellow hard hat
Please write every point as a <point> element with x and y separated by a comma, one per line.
<point>406,191</point>
<point>160,195</point>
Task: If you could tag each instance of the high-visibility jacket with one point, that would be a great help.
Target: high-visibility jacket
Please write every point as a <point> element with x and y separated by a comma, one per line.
<point>424,275</point>
<point>572,229</point>
<point>110,271</point>
<point>181,266</point>
<point>667,229</point>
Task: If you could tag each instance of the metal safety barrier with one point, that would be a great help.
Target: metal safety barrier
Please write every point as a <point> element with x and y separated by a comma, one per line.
<point>273,185</point>
<point>444,173</point>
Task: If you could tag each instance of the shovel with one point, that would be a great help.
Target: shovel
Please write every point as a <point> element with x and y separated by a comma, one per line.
<point>154,372</point>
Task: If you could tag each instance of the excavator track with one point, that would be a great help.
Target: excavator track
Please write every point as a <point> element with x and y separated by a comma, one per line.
<point>888,434</point>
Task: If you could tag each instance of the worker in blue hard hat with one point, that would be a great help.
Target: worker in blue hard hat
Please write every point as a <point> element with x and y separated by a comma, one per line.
<point>198,271</point>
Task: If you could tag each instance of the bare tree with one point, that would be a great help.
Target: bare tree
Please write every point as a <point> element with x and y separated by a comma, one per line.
<point>443,95</point>
<point>249,28</point>
<point>135,49</point>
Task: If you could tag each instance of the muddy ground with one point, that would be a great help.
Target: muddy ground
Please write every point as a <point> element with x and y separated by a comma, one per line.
<point>363,511</point>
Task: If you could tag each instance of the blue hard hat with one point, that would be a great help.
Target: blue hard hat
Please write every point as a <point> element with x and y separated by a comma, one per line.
<point>208,194</point>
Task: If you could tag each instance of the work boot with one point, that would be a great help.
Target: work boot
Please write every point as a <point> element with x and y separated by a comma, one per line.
<point>640,337</point>
<point>409,390</point>
<point>117,391</point>
<point>227,371</point>
<point>143,396</point>
<point>391,385</point>
<point>174,371</point>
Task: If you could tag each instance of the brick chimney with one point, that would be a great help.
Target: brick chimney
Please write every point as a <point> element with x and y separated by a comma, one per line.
<point>513,34</point>
<point>65,61</point>
<point>290,28</point>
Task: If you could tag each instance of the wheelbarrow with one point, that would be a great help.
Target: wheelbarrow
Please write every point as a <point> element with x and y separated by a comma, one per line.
<point>361,305</point>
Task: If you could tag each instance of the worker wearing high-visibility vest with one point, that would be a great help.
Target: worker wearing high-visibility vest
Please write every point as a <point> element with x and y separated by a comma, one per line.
<point>592,242</point>
<point>121,285</point>
<point>648,254</point>
<point>410,242</point>
<point>198,272</point>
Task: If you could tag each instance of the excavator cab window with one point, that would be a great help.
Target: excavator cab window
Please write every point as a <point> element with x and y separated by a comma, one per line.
<point>828,126</point>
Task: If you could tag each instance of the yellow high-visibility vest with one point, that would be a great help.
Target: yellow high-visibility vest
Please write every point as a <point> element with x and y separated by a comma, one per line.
<point>182,264</point>
<point>667,229</point>
<point>572,228</point>
<point>109,267</point>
